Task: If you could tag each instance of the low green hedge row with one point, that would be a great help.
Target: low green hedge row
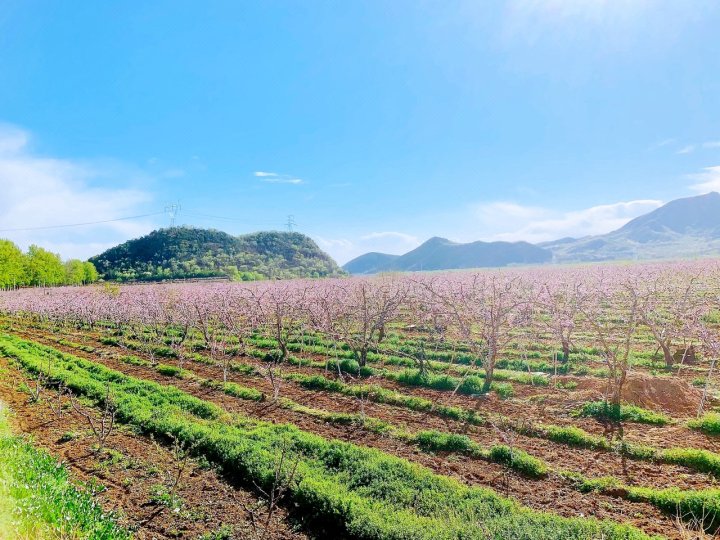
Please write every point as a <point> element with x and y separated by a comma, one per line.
<point>709,423</point>
<point>604,410</point>
<point>700,506</point>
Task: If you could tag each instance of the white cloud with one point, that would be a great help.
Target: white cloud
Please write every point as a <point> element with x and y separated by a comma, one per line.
<point>711,144</point>
<point>277,178</point>
<point>345,249</point>
<point>40,191</point>
<point>513,222</point>
<point>707,180</point>
<point>12,140</point>
<point>688,149</point>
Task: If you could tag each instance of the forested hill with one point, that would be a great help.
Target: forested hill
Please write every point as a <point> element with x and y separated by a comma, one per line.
<point>185,252</point>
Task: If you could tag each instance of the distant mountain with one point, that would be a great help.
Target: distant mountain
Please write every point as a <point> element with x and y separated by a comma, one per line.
<point>186,252</point>
<point>370,263</point>
<point>688,227</point>
<point>442,254</point>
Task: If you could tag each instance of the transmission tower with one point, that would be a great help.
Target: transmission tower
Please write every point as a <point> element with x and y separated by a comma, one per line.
<point>290,223</point>
<point>172,210</point>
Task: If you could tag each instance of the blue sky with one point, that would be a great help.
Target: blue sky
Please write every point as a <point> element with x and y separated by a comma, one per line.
<point>376,124</point>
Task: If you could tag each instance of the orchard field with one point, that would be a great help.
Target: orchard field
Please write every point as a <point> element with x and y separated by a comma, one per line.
<point>541,403</point>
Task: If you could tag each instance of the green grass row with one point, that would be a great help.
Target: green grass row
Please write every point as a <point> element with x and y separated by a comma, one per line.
<point>701,506</point>
<point>345,489</point>
<point>604,410</point>
<point>709,423</point>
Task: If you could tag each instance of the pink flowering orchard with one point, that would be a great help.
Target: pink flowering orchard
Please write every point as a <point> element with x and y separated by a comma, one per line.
<point>676,304</point>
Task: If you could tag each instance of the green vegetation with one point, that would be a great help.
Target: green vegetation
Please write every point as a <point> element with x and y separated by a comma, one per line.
<point>603,410</point>
<point>38,500</point>
<point>40,267</point>
<point>519,460</point>
<point>185,252</point>
<point>471,384</point>
<point>350,491</point>
<point>700,460</point>
<point>571,436</point>
<point>703,505</point>
<point>709,423</point>
<point>170,371</point>
<point>242,392</point>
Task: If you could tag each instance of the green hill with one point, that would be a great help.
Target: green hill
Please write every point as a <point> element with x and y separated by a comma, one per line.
<point>185,252</point>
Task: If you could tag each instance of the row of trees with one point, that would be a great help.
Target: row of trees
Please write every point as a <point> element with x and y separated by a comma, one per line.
<point>39,267</point>
<point>615,309</point>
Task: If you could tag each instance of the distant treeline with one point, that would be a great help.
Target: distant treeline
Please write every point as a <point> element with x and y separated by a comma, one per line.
<point>41,267</point>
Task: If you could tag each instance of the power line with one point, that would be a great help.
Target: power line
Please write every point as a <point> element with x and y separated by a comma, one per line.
<point>210,216</point>
<point>225,218</point>
<point>81,224</point>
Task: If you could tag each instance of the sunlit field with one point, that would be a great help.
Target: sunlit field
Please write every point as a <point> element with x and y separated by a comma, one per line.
<point>571,402</point>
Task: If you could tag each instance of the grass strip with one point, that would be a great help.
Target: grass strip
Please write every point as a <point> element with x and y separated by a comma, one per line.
<point>38,500</point>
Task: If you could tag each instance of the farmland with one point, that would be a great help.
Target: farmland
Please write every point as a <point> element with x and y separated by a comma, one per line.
<point>570,402</point>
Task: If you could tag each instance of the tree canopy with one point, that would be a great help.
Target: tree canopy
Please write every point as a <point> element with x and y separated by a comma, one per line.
<point>41,267</point>
<point>185,252</point>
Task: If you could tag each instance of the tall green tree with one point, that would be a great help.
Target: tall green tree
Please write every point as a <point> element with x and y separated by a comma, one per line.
<point>74,272</point>
<point>44,267</point>
<point>12,265</point>
<point>91,273</point>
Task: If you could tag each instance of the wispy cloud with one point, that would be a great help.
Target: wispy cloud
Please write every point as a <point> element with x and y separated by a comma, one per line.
<point>277,178</point>
<point>665,142</point>
<point>707,180</point>
<point>687,149</point>
<point>690,148</point>
<point>41,191</point>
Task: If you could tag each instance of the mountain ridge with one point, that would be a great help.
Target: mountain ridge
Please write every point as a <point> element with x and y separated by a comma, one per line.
<point>685,227</point>
<point>434,254</point>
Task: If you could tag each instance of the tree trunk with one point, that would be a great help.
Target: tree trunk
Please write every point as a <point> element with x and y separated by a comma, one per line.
<point>667,354</point>
<point>566,350</point>
<point>363,357</point>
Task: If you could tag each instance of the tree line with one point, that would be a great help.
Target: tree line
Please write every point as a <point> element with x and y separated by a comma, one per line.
<point>40,267</point>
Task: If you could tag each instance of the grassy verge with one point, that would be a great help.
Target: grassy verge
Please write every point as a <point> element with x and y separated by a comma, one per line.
<point>37,499</point>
